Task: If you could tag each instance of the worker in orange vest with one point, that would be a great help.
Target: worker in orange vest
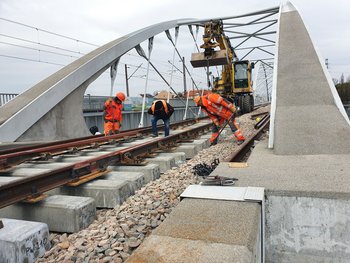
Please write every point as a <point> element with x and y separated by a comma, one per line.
<point>219,111</point>
<point>160,109</point>
<point>112,114</point>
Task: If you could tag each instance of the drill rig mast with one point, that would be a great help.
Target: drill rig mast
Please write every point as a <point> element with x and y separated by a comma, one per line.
<point>235,82</point>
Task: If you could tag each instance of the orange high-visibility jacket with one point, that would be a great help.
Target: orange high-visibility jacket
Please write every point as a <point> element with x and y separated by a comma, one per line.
<point>165,106</point>
<point>113,111</point>
<point>216,107</point>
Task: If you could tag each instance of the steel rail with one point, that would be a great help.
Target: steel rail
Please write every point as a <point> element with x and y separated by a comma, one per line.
<point>253,116</point>
<point>34,186</point>
<point>148,128</point>
<point>242,150</point>
<point>20,155</point>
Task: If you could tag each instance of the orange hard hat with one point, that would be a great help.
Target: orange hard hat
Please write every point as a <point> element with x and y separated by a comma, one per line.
<point>120,96</point>
<point>197,99</point>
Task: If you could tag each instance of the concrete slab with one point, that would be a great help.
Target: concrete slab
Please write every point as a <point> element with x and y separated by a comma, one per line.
<point>24,172</point>
<point>44,165</point>
<point>322,176</point>
<point>8,179</point>
<point>75,159</point>
<point>180,157</point>
<point>216,221</point>
<point>203,141</point>
<point>23,241</point>
<point>201,230</point>
<point>151,171</point>
<point>61,213</point>
<point>135,179</point>
<point>307,199</point>
<point>206,136</point>
<point>112,148</point>
<point>106,193</point>
<point>190,150</point>
<point>165,162</point>
<point>168,250</point>
<point>104,149</point>
<point>140,141</point>
<point>94,153</point>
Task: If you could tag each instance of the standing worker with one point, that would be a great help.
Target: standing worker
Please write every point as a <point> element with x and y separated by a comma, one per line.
<point>160,109</point>
<point>219,111</point>
<point>112,114</point>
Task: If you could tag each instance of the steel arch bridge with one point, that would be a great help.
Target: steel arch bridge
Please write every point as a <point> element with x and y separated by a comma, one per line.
<point>52,109</point>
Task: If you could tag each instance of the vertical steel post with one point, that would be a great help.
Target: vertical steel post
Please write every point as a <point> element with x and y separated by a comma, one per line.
<point>127,80</point>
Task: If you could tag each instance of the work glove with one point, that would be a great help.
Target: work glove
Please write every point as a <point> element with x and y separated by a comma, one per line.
<point>233,109</point>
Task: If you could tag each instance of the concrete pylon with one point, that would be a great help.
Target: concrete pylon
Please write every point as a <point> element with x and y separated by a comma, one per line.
<point>308,117</point>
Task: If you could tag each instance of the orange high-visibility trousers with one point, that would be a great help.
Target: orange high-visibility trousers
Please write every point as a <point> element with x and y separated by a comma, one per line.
<point>111,128</point>
<point>234,128</point>
<point>236,131</point>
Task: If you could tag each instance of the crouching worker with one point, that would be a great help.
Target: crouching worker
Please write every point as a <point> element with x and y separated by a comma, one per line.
<point>112,114</point>
<point>219,111</point>
<point>94,130</point>
<point>160,109</point>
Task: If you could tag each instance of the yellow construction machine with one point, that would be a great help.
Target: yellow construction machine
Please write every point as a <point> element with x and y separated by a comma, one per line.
<point>235,82</point>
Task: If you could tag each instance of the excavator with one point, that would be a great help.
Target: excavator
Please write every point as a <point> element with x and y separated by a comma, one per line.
<point>235,83</point>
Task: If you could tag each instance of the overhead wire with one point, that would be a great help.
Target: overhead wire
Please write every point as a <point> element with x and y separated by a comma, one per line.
<point>38,42</point>
<point>36,49</point>
<point>48,32</point>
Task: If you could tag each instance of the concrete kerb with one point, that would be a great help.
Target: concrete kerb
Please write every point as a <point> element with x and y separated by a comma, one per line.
<point>23,241</point>
<point>207,231</point>
<point>61,213</point>
<point>303,205</point>
<point>167,249</point>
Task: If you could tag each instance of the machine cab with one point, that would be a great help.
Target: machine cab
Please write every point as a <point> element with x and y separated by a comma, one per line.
<point>242,74</point>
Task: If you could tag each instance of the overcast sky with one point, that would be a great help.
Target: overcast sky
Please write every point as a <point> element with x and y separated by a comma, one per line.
<point>98,22</point>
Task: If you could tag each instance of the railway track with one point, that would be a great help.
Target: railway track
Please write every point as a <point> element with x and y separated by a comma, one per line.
<point>31,188</point>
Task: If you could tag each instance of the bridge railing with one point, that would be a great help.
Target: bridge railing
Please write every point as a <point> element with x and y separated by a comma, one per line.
<point>6,97</point>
